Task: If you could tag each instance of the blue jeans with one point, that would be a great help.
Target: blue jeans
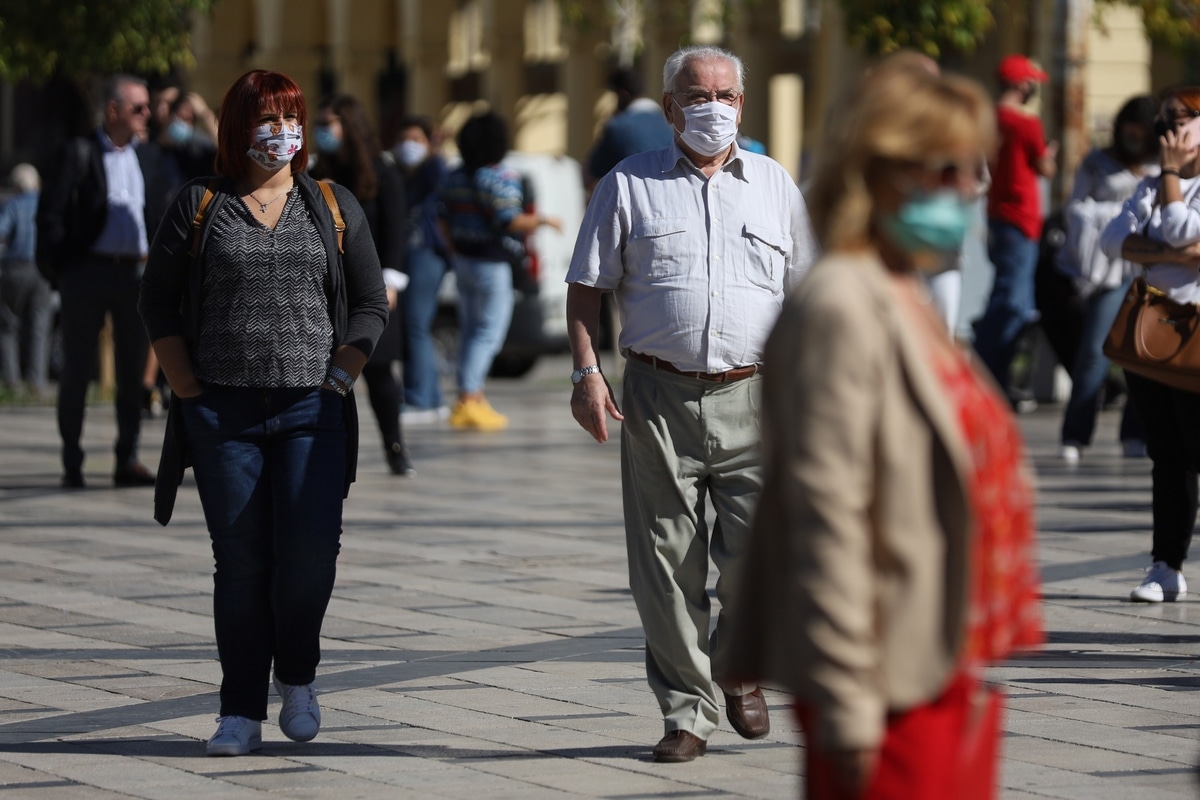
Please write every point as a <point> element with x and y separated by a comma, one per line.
<point>269,467</point>
<point>420,300</point>
<point>1091,367</point>
<point>25,323</point>
<point>1010,306</point>
<point>485,305</point>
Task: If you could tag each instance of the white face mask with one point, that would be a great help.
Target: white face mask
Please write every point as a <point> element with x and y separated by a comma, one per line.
<point>273,146</point>
<point>410,153</point>
<point>709,128</point>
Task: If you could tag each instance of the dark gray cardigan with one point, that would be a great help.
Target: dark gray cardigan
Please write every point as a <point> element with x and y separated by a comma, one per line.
<point>170,302</point>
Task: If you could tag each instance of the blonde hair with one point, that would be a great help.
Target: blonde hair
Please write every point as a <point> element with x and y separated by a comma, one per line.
<point>902,111</point>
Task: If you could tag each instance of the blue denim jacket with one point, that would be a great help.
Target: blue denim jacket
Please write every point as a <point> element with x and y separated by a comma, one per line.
<point>18,227</point>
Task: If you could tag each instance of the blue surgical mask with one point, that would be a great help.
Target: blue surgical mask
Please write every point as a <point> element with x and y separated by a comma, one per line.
<point>411,153</point>
<point>929,222</point>
<point>327,142</point>
<point>179,132</point>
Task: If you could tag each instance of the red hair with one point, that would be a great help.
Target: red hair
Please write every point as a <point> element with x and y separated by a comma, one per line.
<point>1188,95</point>
<point>257,92</point>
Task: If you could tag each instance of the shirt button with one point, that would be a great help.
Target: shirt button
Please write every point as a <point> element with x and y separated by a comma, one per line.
<point>716,294</point>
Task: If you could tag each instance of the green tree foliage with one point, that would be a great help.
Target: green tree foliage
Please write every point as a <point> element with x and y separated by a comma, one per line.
<point>1172,23</point>
<point>933,27</point>
<point>39,38</point>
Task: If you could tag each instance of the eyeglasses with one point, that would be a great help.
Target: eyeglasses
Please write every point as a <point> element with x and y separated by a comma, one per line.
<point>140,108</point>
<point>695,97</point>
<point>945,173</point>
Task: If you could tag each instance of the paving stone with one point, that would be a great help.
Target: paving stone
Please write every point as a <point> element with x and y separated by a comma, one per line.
<point>482,641</point>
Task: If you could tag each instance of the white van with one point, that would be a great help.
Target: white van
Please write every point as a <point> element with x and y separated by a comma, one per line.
<point>539,323</point>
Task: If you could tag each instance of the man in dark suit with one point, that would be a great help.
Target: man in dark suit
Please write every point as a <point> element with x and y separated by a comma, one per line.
<point>98,211</point>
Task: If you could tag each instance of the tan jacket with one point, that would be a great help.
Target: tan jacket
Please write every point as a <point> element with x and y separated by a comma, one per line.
<point>855,590</point>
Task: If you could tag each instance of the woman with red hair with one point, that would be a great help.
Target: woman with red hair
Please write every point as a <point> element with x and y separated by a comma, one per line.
<point>263,299</point>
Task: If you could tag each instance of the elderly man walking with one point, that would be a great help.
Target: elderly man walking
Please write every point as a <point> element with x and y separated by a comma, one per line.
<point>698,241</point>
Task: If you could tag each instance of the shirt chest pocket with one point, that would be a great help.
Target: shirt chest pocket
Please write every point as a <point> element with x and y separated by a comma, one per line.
<point>660,246</point>
<point>763,255</point>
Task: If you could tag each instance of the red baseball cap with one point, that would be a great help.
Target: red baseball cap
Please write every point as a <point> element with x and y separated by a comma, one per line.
<point>1016,68</point>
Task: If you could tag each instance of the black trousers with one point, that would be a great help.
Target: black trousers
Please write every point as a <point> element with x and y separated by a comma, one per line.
<point>1171,420</point>
<point>89,290</point>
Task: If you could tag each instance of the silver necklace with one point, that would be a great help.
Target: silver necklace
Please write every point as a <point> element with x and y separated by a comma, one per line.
<point>262,207</point>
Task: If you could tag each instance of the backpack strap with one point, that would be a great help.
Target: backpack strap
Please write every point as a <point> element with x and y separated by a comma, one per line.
<point>198,220</point>
<point>339,224</point>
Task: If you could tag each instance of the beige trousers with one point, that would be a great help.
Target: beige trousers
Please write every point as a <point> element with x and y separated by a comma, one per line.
<point>683,441</point>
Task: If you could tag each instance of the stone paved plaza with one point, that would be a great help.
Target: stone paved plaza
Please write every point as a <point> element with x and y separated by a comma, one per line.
<point>482,642</point>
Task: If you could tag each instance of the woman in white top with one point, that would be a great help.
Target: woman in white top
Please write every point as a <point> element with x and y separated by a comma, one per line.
<point>1159,227</point>
<point>1105,179</point>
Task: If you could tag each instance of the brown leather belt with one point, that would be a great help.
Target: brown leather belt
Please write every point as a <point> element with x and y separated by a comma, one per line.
<point>728,376</point>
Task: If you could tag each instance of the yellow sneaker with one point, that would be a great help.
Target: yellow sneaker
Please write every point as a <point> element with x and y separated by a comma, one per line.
<point>477,415</point>
<point>459,417</point>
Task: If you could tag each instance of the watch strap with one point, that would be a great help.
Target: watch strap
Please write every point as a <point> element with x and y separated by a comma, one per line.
<point>335,371</point>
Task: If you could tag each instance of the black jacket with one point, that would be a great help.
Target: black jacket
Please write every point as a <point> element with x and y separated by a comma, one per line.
<point>74,202</point>
<point>171,300</point>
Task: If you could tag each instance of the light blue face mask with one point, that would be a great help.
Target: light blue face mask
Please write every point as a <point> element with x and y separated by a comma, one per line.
<point>327,143</point>
<point>936,221</point>
<point>179,132</point>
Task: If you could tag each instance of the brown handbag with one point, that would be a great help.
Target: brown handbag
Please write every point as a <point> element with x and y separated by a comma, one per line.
<point>1155,337</point>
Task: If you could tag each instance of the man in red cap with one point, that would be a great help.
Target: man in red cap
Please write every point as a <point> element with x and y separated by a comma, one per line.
<point>1014,215</point>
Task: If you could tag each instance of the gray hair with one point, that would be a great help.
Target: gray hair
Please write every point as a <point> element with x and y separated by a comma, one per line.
<point>681,58</point>
<point>25,178</point>
<point>110,92</point>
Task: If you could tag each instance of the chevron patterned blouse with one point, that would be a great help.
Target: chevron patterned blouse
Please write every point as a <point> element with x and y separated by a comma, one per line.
<point>265,316</point>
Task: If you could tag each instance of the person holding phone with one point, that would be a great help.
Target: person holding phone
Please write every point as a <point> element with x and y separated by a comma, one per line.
<point>1159,228</point>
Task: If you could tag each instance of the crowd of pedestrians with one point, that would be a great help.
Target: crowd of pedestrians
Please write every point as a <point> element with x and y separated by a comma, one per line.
<point>784,362</point>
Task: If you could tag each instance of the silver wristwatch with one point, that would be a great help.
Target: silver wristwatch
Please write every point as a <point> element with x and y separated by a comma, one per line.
<point>341,376</point>
<point>337,387</point>
<point>583,372</point>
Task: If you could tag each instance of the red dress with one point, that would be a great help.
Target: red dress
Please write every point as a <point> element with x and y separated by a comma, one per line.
<point>947,749</point>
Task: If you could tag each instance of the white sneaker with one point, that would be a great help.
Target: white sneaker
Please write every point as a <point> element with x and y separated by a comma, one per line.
<point>1070,453</point>
<point>411,415</point>
<point>1161,584</point>
<point>235,736</point>
<point>300,717</point>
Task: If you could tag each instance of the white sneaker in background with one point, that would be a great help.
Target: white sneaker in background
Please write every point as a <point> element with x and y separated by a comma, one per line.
<point>300,717</point>
<point>410,415</point>
<point>1162,584</point>
<point>235,736</point>
<point>1070,453</point>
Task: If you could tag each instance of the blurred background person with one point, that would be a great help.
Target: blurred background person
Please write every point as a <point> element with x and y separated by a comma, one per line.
<point>637,126</point>
<point>425,259</point>
<point>1159,227</point>
<point>187,138</point>
<point>184,129</point>
<point>26,315</point>
<point>1105,179</point>
<point>892,548</point>
<point>101,201</point>
<point>262,334</point>
<point>1014,216</point>
<point>349,153</point>
<point>481,206</point>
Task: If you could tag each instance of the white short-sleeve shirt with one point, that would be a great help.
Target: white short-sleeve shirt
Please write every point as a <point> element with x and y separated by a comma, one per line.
<point>699,266</point>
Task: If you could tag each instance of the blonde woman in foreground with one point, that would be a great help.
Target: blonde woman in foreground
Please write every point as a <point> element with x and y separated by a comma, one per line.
<point>893,541</point>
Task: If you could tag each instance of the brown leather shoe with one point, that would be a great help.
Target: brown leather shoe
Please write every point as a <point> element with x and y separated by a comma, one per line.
<point>133,474</point>
<point>748,714</point>
<point>679,746</point>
